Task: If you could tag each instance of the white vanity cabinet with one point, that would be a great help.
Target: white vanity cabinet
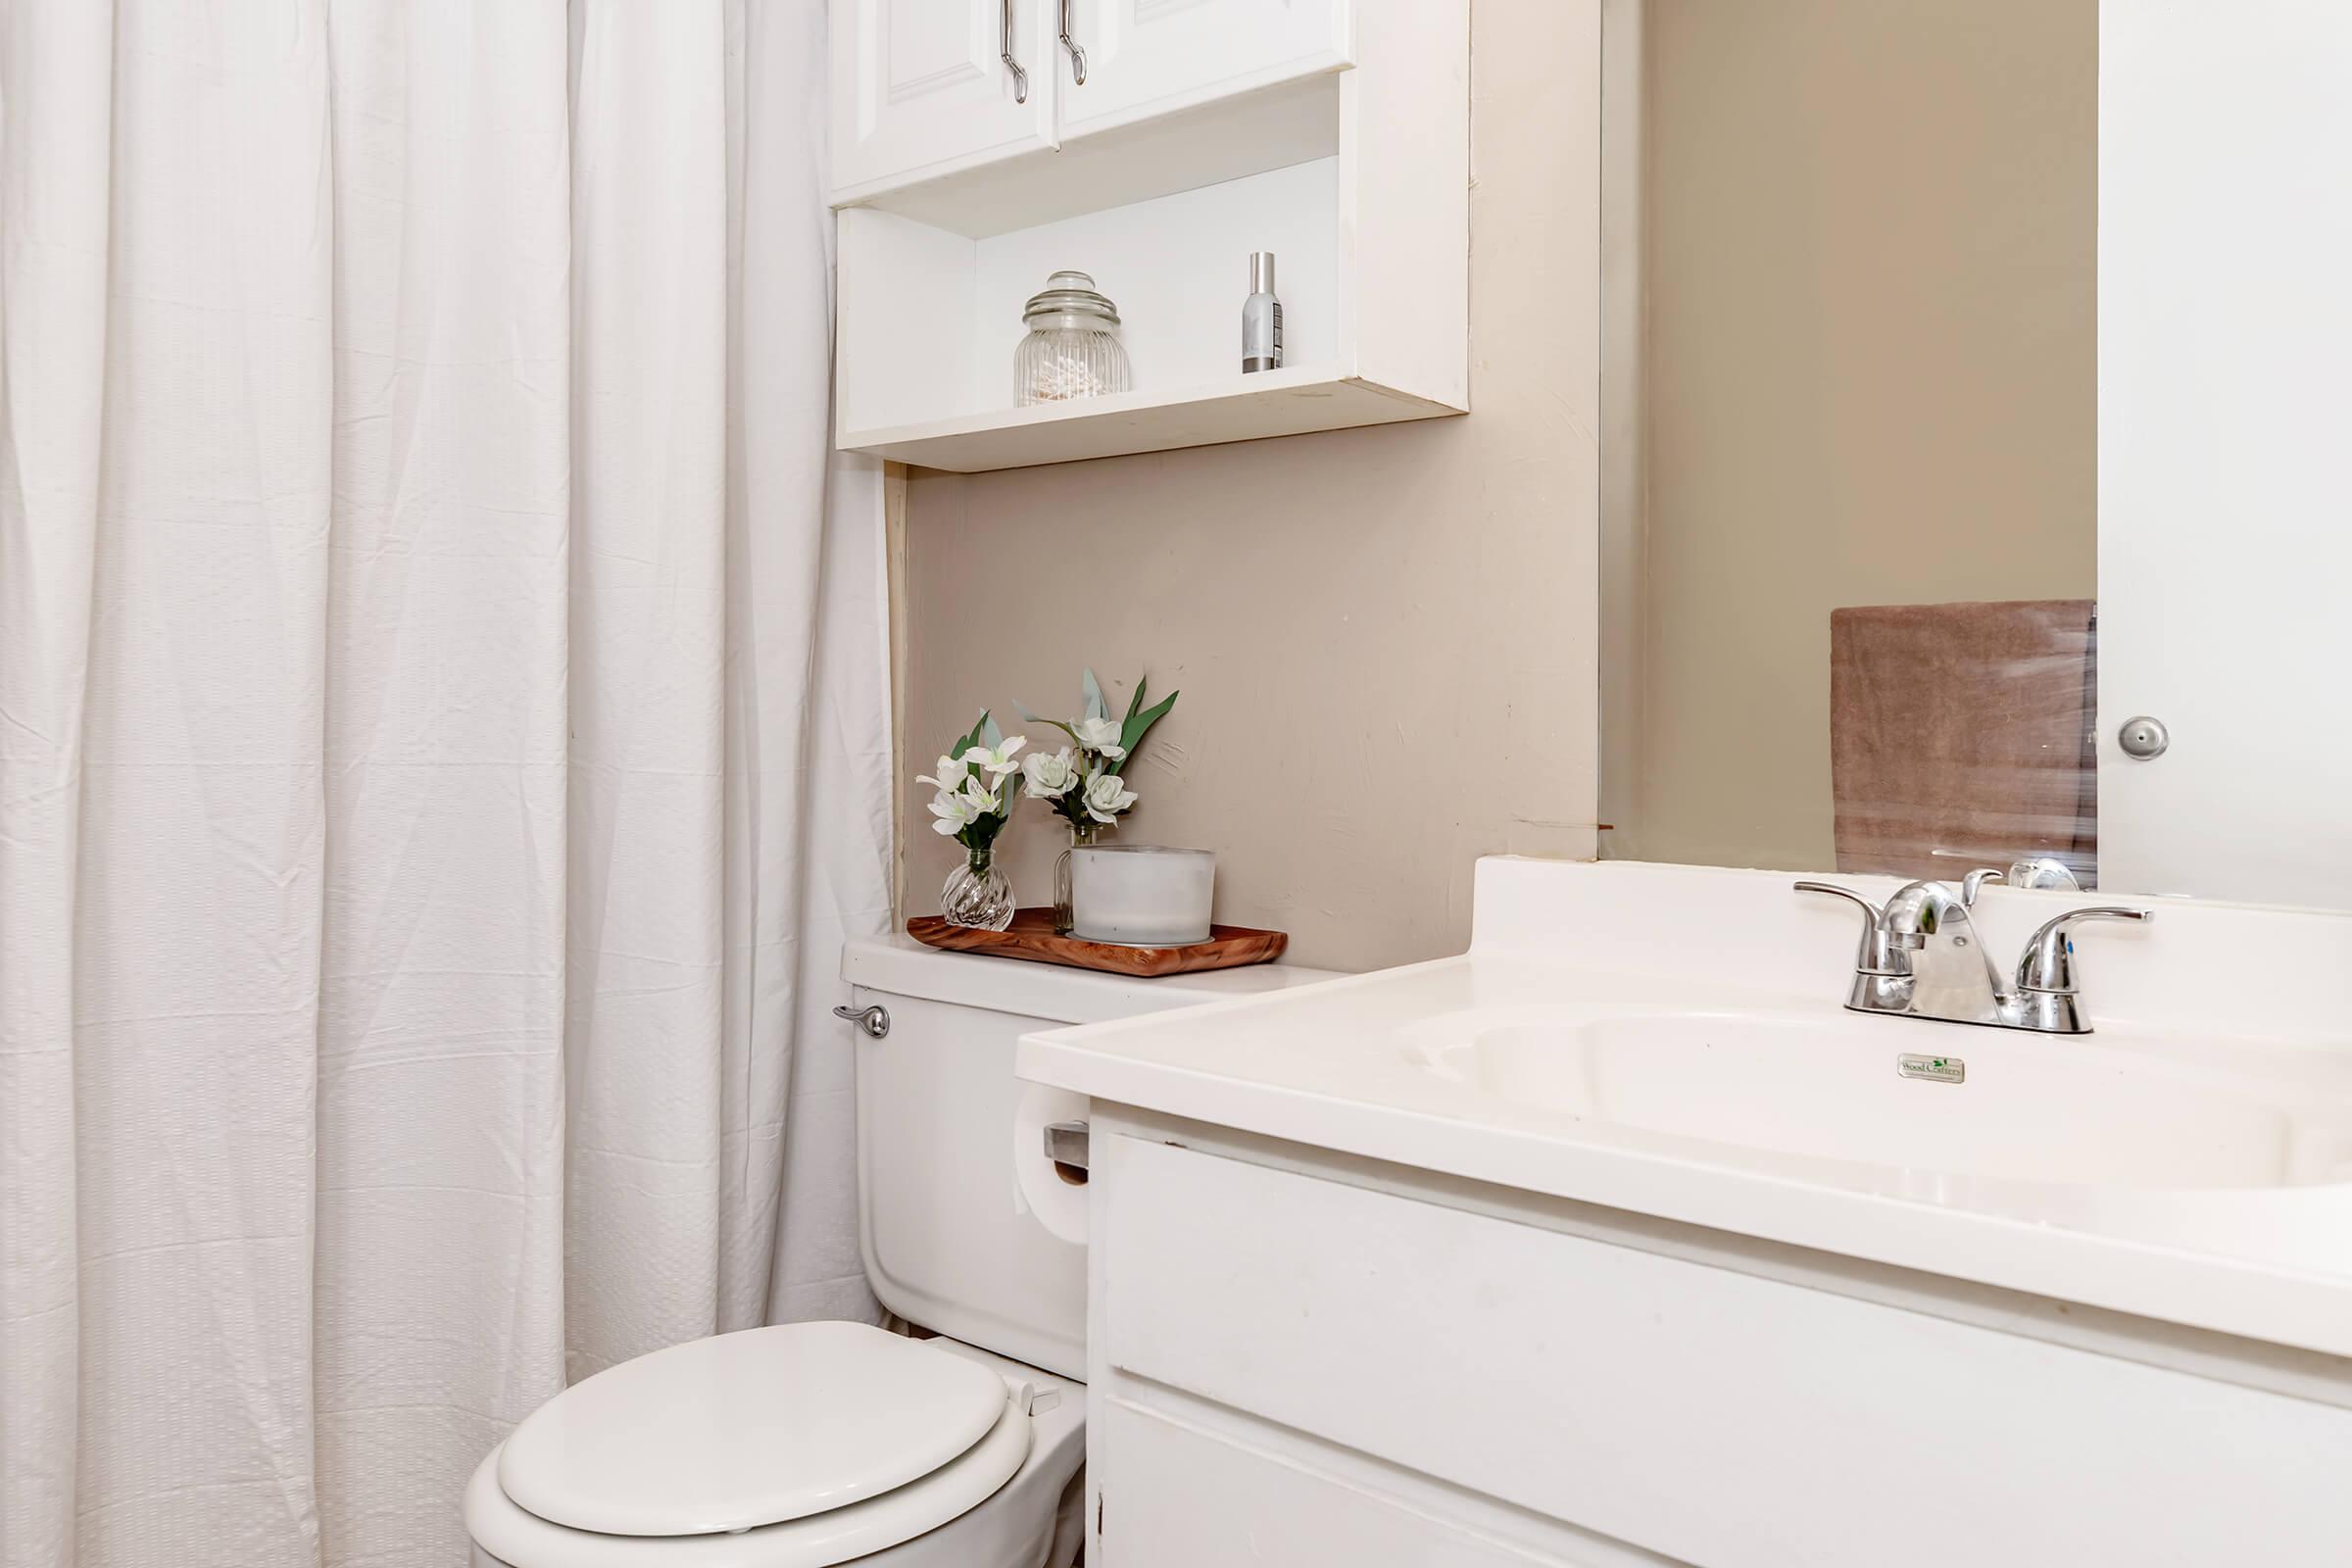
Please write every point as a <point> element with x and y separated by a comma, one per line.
<point>1334,133</point>
<point>1300,1358</point>
<point>921,89</point>
<point>1157,57</point>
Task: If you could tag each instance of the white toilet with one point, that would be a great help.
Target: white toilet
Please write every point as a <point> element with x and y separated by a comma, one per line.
<point>813,1443</point>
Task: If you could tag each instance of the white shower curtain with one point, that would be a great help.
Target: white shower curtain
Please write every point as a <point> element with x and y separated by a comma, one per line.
<point>443,730</point>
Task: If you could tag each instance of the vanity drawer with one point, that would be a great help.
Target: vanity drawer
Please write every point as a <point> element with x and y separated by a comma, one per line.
<point>1714,1417</point>
<point>1213,1501</point>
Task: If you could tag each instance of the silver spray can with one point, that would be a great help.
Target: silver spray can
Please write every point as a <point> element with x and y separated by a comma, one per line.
<point>1261,318</point>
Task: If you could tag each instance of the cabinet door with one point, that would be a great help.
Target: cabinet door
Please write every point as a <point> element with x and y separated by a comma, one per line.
<point>920,88</point>
<point>1150,57</point>
<point>2223,331</point>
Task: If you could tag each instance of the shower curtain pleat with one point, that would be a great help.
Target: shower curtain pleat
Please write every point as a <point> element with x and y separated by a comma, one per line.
<point>438,661</point>
<point>648,662</point>
<point>202,832</point>
<point>440,1047</point>
<point>808,702</point>
<point>55,129</point>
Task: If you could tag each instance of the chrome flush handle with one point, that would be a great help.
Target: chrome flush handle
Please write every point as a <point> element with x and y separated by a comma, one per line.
<point>1077,55</point>
<point>1021,78</point>
<point>874,1020</point>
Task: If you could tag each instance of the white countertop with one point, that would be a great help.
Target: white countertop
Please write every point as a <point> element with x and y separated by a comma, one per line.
<point>1367,1065</point>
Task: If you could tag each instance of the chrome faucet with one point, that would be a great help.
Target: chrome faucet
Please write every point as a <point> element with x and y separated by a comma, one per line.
<point>1921,957</point>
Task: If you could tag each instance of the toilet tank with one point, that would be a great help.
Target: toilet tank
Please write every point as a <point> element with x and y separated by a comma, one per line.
<point>946,1242</point>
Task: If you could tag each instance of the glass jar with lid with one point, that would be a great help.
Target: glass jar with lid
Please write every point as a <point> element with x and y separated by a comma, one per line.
<point>1073,347</point>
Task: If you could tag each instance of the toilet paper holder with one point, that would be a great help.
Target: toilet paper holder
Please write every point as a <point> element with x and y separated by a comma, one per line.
<point>1067,1143</point>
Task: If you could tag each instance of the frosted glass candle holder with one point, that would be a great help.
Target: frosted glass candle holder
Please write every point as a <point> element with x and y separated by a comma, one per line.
<point>1140,895</point>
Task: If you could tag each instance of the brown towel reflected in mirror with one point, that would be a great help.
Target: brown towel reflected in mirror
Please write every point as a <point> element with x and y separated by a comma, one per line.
<point>1961,735</point>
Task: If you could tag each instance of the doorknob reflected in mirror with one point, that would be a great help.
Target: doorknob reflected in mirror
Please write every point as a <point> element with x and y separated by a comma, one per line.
<point>2143,739</point>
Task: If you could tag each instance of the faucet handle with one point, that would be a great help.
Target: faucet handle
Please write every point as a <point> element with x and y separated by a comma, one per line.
<point>1973,883</point>
<point>2049,963</point>
<point>1875,955</point>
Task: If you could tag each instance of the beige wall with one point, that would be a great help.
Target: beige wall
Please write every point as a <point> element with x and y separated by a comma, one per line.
<point>1868,256</point>
<point>1384,638</point>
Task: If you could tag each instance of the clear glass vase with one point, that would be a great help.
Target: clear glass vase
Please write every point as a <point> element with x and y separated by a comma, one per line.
<point>977,894</point>
<point>1071,349</point>
<point>1064,914</point>
<point>1066,363</point>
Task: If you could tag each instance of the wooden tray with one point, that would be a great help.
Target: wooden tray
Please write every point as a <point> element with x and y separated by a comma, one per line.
<point>1031,937</point>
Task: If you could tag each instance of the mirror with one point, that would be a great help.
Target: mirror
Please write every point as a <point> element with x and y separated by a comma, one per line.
<point>1976,374</point>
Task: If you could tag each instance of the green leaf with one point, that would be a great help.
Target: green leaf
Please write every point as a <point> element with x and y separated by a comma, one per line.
<point>1095,707</point>
<point>1138,725</point>
<point>992,736</point>
<point>1138,701</point>
<point>970,738</point>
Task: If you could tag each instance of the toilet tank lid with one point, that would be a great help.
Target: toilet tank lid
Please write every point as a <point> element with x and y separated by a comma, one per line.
<point>900,965</point>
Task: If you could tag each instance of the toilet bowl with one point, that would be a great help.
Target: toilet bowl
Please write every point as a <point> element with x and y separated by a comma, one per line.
<point>945,1457</point>
<point>805,1444</point>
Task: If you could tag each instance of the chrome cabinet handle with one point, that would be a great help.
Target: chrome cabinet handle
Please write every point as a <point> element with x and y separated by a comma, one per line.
<point>874,1020</point>
<point>1021,78</point>
<point>1077,55</point>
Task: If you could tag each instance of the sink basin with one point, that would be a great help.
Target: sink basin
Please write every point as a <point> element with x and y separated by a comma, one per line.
<point>2030,1108</point>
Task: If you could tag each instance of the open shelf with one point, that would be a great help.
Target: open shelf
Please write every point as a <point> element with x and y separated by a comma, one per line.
<point>1357,182</point>
<point>1290,401</point>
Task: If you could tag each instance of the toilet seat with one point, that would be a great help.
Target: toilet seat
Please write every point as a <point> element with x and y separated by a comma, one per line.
<point>745,1429</point>
<point>516,1537</point>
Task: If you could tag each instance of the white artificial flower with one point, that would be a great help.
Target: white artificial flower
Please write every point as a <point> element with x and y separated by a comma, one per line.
<point>1106,796</point>
<point>956,812</point>
<point>951,774</point>
<point>987,798</point>
<point>995,760</point>
<point>1100,735</point>
<point>1050,775</point>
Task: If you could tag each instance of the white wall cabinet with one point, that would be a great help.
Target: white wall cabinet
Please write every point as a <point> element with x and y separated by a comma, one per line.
<point>1332,132</point>
<point>1156,57</point>
<point>920,88</point>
